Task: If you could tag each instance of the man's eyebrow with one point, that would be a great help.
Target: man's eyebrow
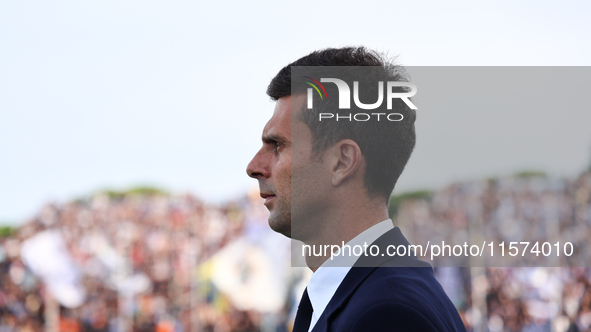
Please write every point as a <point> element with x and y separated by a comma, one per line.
<point>272,138</point>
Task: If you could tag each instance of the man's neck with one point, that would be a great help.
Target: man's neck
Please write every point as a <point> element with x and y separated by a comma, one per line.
<point>342,228</point>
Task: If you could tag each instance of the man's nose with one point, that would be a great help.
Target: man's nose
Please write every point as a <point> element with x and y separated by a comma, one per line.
<point>258,167</point>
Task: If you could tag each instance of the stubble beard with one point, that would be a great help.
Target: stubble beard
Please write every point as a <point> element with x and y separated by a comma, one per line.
<point>280,218</point>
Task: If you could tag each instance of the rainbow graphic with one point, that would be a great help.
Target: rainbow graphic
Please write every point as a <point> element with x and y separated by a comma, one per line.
<point>316,88</point>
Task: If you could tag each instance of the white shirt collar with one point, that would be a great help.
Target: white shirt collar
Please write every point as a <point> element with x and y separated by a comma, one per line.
<point>327,278</point>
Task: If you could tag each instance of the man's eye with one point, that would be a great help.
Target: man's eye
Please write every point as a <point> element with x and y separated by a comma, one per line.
<point>277,146</point>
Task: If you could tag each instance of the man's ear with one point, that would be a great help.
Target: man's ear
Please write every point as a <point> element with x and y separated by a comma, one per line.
<point>347,159</point>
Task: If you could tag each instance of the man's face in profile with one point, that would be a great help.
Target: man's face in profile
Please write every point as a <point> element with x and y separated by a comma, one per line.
<point>272,166</point>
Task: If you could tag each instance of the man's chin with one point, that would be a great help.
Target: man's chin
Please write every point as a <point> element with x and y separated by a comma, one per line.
<point>280,226</point>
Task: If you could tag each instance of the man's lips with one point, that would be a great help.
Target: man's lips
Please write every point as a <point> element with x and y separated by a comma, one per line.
<point>267,197</point>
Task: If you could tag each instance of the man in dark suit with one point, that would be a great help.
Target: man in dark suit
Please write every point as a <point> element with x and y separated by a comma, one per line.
<point>326,171</point>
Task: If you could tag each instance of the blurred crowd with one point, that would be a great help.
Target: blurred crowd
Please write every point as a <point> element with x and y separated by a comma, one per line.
<point>144,262</point>
<point>525,207</point>
<point>149,261</point>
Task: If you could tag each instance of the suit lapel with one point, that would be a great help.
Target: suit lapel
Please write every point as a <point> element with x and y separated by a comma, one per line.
<point>362,269</point>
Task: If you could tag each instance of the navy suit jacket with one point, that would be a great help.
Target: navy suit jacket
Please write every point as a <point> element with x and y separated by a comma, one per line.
<point>385,293</point>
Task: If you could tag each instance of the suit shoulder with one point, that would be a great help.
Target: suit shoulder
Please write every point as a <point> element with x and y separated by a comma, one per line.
<point>404,283</point>
<point>392,316</point>
<point>405,294</point>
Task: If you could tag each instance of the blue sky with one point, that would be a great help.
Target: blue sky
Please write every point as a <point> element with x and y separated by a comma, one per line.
<point>112,94</point>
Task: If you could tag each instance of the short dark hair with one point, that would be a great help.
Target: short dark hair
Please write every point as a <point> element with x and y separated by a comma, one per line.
<point>386,145</point>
